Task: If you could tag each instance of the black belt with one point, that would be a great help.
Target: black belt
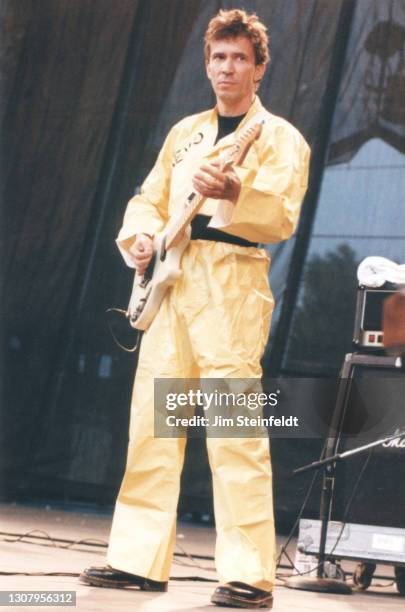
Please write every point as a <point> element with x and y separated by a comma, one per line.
<point>200,231</point>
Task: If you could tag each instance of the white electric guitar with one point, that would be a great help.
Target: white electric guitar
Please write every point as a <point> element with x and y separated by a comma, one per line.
<point>169,245</point>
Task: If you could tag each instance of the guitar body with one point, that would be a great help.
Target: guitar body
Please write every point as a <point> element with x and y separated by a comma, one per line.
<point>163,271</point>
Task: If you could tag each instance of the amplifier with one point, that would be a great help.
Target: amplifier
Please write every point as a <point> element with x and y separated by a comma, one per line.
<point>380,495</point>
<point>375,409</point>
<point>368,328</point>
<point>370,543</point>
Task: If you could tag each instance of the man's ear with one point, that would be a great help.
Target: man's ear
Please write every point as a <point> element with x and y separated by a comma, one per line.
<point>259,72</point>
<point>207,68</point>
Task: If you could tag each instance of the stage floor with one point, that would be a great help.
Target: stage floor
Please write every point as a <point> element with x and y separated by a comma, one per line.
<point>80,524</point>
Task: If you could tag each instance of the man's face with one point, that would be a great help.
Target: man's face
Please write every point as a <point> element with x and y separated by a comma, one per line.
<point>232,70</point>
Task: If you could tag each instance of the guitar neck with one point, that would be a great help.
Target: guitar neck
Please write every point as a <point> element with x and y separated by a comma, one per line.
<point>193,206</point>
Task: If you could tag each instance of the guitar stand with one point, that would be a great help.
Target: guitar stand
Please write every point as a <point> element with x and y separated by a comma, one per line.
<point>322,583</point>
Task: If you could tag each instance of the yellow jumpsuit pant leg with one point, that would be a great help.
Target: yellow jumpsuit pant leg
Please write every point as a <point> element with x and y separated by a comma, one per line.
<point>242,484</point>
<point>228,332</point>
<point>143,531</point>
<point>217,317</point>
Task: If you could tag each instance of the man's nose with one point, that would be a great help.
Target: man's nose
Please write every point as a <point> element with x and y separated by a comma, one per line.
<point>228,66</point>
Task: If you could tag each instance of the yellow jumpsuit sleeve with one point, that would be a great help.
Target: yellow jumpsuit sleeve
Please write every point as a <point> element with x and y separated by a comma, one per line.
<point>269,203</point>
<point>147,212</point>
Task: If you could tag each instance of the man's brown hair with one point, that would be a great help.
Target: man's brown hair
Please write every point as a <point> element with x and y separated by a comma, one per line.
<point>229,24</point>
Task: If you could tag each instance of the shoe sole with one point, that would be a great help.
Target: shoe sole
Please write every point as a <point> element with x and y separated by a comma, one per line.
<point>101,582</point>
<point>121,584</point>
<point>234,601</point>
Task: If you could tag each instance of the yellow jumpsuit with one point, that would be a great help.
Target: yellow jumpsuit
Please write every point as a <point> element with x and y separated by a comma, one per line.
<point>213,323</point>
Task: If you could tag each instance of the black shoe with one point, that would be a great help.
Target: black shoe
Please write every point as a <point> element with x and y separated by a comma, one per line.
<point>109,577</point>
<point>241,595</point>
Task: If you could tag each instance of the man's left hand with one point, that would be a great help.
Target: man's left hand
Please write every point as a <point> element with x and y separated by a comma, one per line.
<point>211,182</point>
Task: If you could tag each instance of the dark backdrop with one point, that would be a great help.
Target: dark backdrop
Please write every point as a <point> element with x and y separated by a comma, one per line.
<point>89,89</point>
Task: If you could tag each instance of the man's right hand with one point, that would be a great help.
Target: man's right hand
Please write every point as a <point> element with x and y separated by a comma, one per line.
<point>141,252</point>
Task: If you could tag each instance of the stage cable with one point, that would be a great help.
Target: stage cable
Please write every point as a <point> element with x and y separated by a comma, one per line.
<point>351,499</point>
<point>344,522</point>
<point>102,543</point>
<point>283,549</point>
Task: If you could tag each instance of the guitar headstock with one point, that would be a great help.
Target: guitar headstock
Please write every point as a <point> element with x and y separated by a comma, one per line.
<point>238,152</point>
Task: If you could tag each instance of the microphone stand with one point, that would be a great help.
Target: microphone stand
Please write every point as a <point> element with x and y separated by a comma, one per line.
<point>341,456</point>
<point>328,463</point>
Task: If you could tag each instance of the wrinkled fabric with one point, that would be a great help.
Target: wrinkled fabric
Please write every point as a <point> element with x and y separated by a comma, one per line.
<point>214,323</point>
<point>201,331</point>
<point>274,178</point>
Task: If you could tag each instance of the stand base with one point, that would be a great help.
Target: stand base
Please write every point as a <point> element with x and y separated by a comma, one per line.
<point>322,585</point>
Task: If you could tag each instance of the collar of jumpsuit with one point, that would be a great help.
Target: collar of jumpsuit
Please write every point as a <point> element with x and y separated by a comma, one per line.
<point>215,119</point>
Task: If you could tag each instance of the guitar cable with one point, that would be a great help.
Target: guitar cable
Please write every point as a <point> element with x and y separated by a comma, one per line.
<point>117,342</point>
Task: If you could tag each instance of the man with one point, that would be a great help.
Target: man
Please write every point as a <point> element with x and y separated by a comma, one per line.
<point>213,323</point>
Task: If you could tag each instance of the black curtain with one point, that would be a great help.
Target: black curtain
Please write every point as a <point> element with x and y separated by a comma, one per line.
<point>90,90</point>
<point>63,65</point>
